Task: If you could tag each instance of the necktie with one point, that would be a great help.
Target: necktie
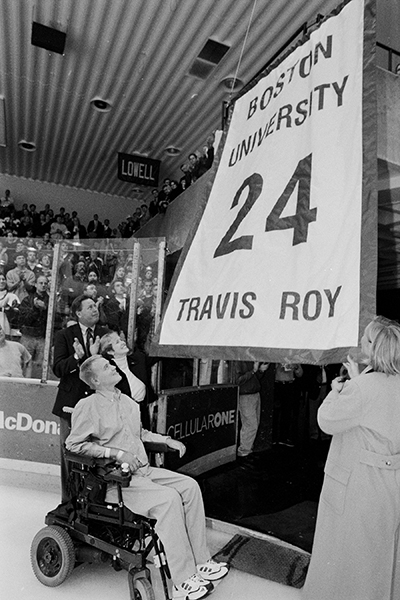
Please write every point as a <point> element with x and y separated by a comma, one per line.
<point>89,340</point>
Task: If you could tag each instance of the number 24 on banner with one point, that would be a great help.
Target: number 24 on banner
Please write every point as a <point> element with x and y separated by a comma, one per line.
<point>298,222</point>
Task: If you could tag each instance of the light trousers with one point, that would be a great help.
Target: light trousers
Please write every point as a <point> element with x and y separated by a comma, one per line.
<point>175,501</point>
<point>250,411</point>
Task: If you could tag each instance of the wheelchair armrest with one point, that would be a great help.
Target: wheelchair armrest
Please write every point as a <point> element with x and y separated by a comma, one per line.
<point>158,447</point>
<point>80,459</point>
<point>109,471</point>
<point>89,461</point>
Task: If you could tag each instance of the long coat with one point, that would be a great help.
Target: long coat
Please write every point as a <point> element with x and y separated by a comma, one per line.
<point>356,538</point>
<point>66,367</point>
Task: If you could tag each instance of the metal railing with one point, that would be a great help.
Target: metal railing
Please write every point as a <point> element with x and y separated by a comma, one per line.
<point>393,58</point>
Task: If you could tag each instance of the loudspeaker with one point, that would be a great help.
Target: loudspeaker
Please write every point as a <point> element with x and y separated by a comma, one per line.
<point>48,38</point>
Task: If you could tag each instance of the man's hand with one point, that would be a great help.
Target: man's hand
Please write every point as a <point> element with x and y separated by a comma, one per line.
<point>177,446</point>
<point>132,460</point>
<point>78,349</point>
<point>94,348</point>
<point>39,303</point>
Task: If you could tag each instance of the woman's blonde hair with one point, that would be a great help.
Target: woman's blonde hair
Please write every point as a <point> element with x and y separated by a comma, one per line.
<point>384,336</point>
<point>106,343</point>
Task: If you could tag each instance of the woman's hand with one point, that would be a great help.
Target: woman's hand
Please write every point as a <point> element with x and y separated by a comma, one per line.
<point>337,384</point>
<point>352,367</point>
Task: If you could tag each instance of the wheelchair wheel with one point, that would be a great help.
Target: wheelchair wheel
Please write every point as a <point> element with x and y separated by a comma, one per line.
<point>52,555</point>
<point>143,590</point>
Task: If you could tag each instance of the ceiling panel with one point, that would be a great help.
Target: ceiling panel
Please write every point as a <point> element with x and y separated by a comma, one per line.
<point>136,54</point>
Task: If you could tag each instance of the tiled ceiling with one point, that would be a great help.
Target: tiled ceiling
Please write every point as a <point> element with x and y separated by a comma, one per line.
<point>136,55</point>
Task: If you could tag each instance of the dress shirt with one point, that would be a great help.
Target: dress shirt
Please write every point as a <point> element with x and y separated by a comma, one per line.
<point>84,329</point>
<point>109,420</point>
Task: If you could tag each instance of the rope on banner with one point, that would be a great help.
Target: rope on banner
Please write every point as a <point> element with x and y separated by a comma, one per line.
<point>242,50</point>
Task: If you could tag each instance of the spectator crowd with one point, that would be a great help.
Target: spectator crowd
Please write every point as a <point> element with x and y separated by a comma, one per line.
<point>196,166</point>
<point>93,260</point>
<point>28,222</point>
<point>99,268</point>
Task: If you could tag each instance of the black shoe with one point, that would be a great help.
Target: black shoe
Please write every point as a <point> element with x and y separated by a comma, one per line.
<point>245,462</point>
<point>246,458</point>
<point>287,443</point>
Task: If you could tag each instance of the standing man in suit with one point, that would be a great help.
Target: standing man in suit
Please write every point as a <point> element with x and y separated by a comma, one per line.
<point>72,346</point>
<point>95,228</point>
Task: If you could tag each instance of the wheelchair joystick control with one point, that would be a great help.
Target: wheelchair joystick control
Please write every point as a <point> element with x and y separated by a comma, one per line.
<point>125,468</point>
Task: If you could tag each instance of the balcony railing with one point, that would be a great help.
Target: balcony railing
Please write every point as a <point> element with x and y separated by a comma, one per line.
<point>388,58</point>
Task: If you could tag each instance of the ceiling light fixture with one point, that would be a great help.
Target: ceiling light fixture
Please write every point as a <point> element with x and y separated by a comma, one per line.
<point>100,105</point>
<point>27,146</point>
<point>172,151</point>
<point>232,83</point>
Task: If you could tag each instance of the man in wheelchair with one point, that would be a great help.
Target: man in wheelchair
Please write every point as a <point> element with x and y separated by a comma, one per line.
<point>107,425</point>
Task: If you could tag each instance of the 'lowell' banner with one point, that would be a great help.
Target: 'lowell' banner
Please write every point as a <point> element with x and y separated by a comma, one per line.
<point>282,264</point>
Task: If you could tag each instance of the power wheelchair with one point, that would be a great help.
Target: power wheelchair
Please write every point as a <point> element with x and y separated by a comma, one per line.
<point>88,529</point>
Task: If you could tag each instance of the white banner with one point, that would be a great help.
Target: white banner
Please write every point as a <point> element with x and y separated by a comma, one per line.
<point>275,260</point>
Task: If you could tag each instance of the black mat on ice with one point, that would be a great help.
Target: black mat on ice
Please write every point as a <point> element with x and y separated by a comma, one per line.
<point>295,524</point>
<point>265,559</point>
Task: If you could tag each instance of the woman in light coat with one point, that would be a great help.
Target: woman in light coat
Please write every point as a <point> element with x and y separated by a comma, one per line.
<point>355,553</point>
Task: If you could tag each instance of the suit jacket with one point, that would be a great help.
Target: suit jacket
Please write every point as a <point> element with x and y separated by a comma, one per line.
<point>99,231</point>
<point>71,389</point>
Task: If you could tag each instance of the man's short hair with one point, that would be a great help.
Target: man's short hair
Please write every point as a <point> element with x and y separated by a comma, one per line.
<point>80,262</point>
<point>118,280</point>
<point>86,370</point>
<point>76,305</point>
<point>41,276</point>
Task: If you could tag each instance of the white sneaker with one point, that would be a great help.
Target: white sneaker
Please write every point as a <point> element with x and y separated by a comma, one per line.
<point>192,589</point>
<point>213,570</point>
